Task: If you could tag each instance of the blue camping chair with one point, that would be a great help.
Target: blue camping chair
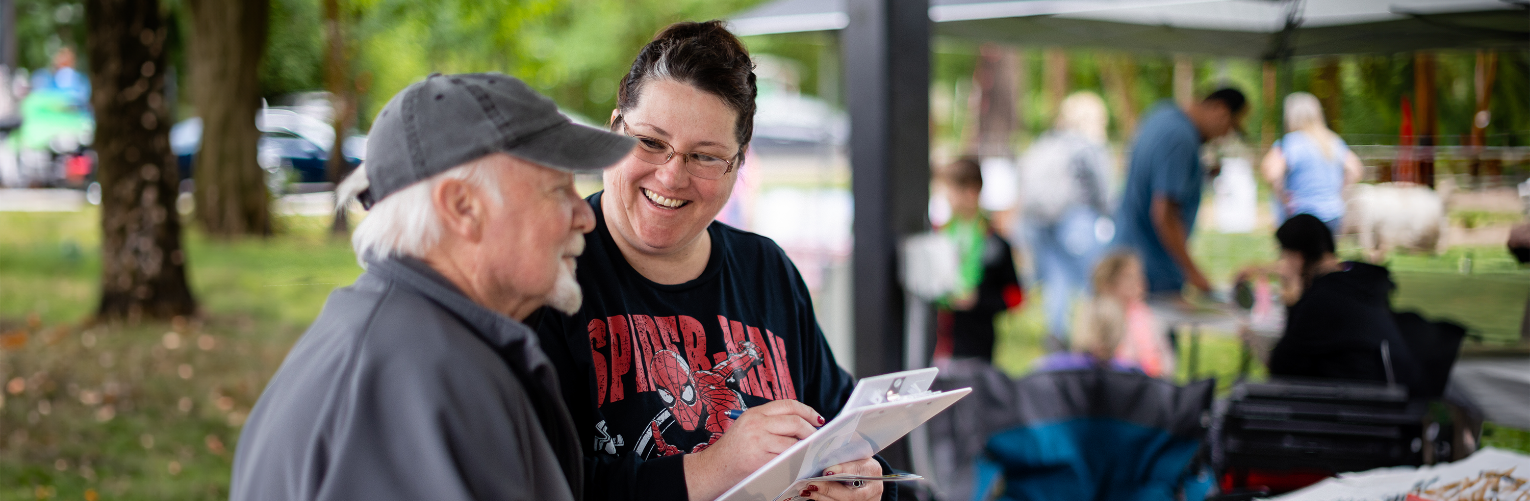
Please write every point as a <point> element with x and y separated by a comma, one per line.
<point>1070,435</point>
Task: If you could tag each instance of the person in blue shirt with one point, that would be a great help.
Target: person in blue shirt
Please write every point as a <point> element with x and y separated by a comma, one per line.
<point>1311,166</point>
<point>1163,186</point>
<point>64,79</point>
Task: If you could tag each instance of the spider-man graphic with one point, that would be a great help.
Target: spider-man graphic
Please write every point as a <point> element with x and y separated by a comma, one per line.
<point>695,397</point>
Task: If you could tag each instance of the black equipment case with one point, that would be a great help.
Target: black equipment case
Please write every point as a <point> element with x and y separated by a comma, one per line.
<point>1321,425</point>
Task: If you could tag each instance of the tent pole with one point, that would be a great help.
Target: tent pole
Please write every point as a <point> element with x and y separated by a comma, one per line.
<point>887,72</point>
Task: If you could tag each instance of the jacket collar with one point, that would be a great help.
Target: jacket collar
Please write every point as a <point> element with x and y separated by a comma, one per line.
<point>512,339</point>
<point>515,343</point>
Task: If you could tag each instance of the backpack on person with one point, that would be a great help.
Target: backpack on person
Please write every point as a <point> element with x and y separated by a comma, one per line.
<point>1059,171</point>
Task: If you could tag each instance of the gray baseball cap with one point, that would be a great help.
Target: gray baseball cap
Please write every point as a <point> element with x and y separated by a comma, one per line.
<point>447,120</point>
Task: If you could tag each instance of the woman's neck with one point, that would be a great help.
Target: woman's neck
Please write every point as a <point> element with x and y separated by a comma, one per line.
<point>671,267</point>
<point>1329,263</point>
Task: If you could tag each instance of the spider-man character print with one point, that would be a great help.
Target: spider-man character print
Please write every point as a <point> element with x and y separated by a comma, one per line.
<point>666,384</point>
<point>698,400</point>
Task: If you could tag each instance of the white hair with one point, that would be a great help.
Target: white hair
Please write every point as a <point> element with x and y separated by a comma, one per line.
<point>1304,112</point>
<point>405,223</point>
<point>1083,113</point>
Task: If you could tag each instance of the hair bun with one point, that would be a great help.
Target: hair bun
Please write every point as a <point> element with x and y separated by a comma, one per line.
<point>704,55</point>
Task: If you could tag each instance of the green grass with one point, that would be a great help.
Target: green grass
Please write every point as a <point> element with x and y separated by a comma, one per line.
<point>107,410</point>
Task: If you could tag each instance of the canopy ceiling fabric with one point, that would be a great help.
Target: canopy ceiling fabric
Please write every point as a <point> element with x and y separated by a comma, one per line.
<point>1240,28</point>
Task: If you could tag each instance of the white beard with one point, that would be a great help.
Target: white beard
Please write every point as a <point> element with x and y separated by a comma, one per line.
<point>566,295</point>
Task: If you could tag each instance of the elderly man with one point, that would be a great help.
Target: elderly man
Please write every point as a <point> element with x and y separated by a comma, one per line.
<point>419,381</point>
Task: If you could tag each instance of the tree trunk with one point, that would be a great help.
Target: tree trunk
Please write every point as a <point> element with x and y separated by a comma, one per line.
<point>1272,109</point>
<point>1328,86</point>
<point>1483,77</point>
<point>1055,80</point>
<point>1425,116</point>
<point>1184,80</point>
<point>228,39</point>
<point>143,271</point>
<point>995,82</point>
<point>337,77</point>
<point>1119,73</point>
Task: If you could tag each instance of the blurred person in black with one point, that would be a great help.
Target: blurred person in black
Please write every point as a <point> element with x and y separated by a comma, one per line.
<point>986,273</point>
<point>1339,314</point>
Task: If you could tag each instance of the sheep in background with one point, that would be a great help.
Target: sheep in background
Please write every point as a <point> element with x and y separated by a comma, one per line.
<point>1389,215</point>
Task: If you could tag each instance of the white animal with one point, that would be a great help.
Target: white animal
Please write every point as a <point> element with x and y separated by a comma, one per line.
<point>1388,215</point>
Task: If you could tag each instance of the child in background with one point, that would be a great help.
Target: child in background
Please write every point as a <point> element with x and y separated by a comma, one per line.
<point>987,281</point>
<point>1097,330</point>
<point>1119,284</point>
<point>1115,328</point>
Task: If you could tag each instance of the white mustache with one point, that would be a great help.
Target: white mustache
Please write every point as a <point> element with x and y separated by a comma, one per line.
<point>574,247</point>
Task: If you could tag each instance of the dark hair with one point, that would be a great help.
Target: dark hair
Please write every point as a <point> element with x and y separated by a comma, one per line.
<point>965,172</point>
<point>705,56</point>
<point>1229,97</point>
<point>1305,234</point>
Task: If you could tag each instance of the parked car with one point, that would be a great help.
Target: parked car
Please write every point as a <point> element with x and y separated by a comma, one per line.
<point>293,148</point>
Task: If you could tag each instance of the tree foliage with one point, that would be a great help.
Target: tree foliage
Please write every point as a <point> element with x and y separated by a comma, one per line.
<point>574,51</point>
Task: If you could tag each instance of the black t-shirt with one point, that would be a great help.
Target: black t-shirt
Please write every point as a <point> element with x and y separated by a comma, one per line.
<point>970,333</point>
<point>649,370</point>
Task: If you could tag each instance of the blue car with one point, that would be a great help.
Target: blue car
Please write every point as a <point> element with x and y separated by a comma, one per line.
<point>293,148</point>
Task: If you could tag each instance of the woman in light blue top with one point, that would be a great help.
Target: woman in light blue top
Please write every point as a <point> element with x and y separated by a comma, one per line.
<point>1310,167</point>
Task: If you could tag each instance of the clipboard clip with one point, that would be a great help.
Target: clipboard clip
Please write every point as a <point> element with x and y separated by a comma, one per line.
<point>894,390</point>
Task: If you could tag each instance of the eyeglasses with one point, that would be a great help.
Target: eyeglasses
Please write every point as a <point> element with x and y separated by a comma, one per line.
<point>658,152</point>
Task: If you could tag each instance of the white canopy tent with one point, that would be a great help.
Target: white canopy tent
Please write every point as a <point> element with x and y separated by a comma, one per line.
<point>1264,29</point>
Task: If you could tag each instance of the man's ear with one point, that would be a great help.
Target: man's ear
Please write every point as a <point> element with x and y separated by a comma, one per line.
<point>460,209</point>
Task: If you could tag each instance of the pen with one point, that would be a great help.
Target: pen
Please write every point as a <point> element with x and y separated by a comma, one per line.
<point>735,413</point>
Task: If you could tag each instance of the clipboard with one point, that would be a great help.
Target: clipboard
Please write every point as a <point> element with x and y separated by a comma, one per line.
<point>880,411</point>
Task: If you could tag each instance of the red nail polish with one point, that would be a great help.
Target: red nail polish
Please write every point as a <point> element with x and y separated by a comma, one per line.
<point>804,494</point>
<point>828,473</point>
<point>812,488</point>
<point>821,421</point>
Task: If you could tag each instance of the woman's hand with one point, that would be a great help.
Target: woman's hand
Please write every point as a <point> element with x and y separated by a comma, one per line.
<point>752,440</point>
<point>838,491</point>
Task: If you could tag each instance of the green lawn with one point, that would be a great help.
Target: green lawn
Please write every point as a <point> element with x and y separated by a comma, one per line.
<point>153,411</point>
<point>150,411</point>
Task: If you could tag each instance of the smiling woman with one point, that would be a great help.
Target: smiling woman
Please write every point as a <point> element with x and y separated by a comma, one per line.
<point>660,211</point>
<point>685,318</point>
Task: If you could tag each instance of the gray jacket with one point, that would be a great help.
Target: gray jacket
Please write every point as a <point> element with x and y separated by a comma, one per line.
<point>403,388</point>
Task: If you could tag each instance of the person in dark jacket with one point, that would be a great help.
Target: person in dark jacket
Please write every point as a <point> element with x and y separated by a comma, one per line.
<point>419,381</point>
<point>1339,321</point>
<point>986,272</point>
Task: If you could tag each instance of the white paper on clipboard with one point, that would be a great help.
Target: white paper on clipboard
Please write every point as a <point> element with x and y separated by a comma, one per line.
<point>858,432</point>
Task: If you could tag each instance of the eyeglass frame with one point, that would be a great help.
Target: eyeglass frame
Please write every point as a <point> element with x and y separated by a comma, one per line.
<point>684,159</point>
